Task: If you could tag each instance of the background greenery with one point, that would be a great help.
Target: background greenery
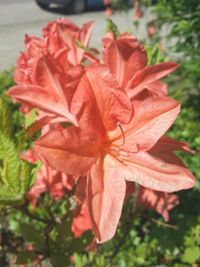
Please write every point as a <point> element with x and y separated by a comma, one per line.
<point>147,240</point>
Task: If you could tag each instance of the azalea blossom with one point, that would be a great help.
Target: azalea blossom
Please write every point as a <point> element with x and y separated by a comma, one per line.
<point>113,145</point>
<point>146,198</point>
<point>160,201</point>
<point>51,92</point>
<point>44,71</point>
<point>63,34</point>
<point>127,60</point>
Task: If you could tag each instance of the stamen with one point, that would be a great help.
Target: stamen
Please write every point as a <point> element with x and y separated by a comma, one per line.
<point>120,127</point>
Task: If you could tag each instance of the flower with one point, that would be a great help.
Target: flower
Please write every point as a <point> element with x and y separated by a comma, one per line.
<point>44,71</point>
<point>127,61</point>
<point>51,91</point>
<point>114,145</point>
<point>161,202</point>
<point>62,33</point>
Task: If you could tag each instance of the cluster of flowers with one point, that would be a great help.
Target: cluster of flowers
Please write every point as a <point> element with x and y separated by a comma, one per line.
<point>103,123</point>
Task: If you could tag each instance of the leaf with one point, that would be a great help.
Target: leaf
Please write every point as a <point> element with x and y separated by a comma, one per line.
<point>154,55</point>
<point>112,27</point>
<point>28,175</point>
<point>25,257</point>
<point>63,230</point>
<point>11,165</point>
<point>60,259</point>
<point>82,46</point>
<point>16,176</point>
<point>80,243</point>
<point>5,118</point>
<point>31,234</point>
<point>31,118</point>
<point>6,196</point>
<point>191,255</point>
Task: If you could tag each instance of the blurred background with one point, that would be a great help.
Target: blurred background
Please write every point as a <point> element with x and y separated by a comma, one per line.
<point>20,17</point>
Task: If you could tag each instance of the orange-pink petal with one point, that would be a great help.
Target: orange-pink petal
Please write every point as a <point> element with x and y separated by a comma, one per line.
<point>105,193</point>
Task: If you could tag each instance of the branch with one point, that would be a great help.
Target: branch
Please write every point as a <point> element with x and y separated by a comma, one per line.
<point>159,222</point>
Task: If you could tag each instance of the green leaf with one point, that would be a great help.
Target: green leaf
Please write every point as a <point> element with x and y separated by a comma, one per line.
<point>80,243</point>
<point>154,55</point>
<point>11,165</point>
<point>25,257</point>
<point>60,259</point>
<point>16,176</point>
<point>6,196</point>
<point>30,119</point>
<point>85,48</point>
<point>31,234</point>
<point>5,118</point>
<point>112,27</point>
<point>191,255</point>
<point>63,230</point>
<point>28,175</point>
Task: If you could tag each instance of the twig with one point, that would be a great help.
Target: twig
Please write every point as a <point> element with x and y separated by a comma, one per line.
<point>159,222</point>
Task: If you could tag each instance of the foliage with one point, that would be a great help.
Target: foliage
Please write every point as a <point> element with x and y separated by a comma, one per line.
<point>111,27</point>
<point>184,40</point>
<point>15,175</point>
<point>121,5</point>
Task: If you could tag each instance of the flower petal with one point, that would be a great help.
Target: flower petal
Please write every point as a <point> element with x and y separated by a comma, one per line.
<point>124,56</point>
<point>167,144</point>
<point>63,33</point>
<point>157,174</point>
<point>152,118</point>
<point>112,103</point>
<point>149,75</point>
<point>37,97</point>
<point>47,76</point>
<point>106,192</point>
<point>71,151</point>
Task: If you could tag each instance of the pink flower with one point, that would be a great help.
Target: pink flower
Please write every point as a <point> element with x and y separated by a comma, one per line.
<point>26,62</point>
<point>62,33</point>
<point>138,13</point>
<point>44,71</point>
<point>161,202</point>
<point>127,60</point>
<point>151,30</point>
<point>50,92</point>
<point>81,220</point>
<point>113,146</point>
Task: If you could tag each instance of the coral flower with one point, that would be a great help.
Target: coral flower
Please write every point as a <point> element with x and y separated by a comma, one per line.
<point>50,92</point>
<point>63,34</point>
<point>112,145</point>
<point>161,202</point>
<point>127,60</point>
